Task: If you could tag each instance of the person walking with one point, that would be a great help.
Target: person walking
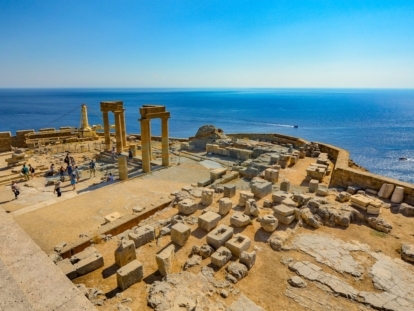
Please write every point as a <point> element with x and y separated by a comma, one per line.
<point>15,189</point>
<point>73,180</point>
<point>130,155</point>
<point>70,170</point>
<point>92,165</point>
<point>57,188</point>
<point>77,173</point>
<point>25,172</point>
<point>62,173</point>
<point>31,170</point>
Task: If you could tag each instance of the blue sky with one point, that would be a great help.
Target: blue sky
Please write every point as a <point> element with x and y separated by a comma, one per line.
<point>207,43</point>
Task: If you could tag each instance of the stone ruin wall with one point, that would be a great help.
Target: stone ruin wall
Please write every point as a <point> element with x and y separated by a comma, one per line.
<point>277,138</point>
<point>5,141</point>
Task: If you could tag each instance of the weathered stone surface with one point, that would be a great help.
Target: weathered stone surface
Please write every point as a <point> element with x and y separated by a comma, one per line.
<point>268,223</point>
<point>407,252</point>
<point>313,185</point>
<point>260,187</point>
<point>322,191</point>
<point>229,191</point>
<point>244,304</point>
<point>207,196</point>
<point>67,268</point>
<point>225,205</point>
<point>240,220</point>
<point>221,257</point>
<point>297,281</point>
<point>310,218</point>
<point>125,253</point>
<point>87,261</point>
<point>180,234</point>
<point>208,221</point>
<point>379,224</point>
<point>237,270</point>
<point>361,200</point>
<point>217,173</point>
<point>276,242</point>
<point>195,260</point>
<point>248,259</point>
<point>206,250</point>
<point>406,210</point>
<point>398,195</point>
<point>343,196</point>
<point>286,220</point>
<point>285,185</point>
<point>251,208</point>
<point>244,196</point>
<point>187,207</point>
<point>238,244</point>
<point>279,196</point>
<point>165,259</point>
<point>142,235</point>
<point>219,236</point>
<point>129,274</point>
<point>283,210</point>
<point>271,175</point>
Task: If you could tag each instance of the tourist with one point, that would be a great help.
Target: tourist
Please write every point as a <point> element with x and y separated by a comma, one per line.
<point>110,177</point>
<point>70,170</point>
<point>57,189</point>
<point>113,153</point>
<point>72,161</point>
<point>62,173</point>
<point>25,172</point>
<point>77,173</point>
<point>31,170</point>
<point>92,168</point>
<point>66,159</point>
<point>15,189</point>
<point>73,180</point>
<point>130,154</point>
<point>51,170</point>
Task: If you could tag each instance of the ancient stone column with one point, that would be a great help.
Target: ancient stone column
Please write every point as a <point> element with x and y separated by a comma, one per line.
<point>133,148</point>
<point>123,167</point>
<point>107,133</point>
<point>165,142</point>
<point>123,129</point>
<point>145,145</point>
<point>118,131</point>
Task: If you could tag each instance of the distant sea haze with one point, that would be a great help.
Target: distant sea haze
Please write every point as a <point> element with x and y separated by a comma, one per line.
<point>376,126</point>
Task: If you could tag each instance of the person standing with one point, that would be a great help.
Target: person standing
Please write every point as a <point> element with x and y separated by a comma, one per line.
<point>62,173</point>
<point>92,165</point>
<point>73,180</point>
<point>57,188</point>
<point>25,172</point>
<point>77,173</point>
<point>70,170</point>
<point>15,189</point>
<point>129,154</point>
<point>31,170</point>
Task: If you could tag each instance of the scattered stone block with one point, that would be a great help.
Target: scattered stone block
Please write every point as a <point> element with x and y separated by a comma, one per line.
<point>67,268</point>
<point>289,202</point>
<point>229,191</point>
<point>398,195</point>
<point>251,208</point>
<point>297,281</point>
<point>219,236</point>
<point>207,196</point>
<point>352,190</point>
<point>260,187</point>
<point>187,207</point>
<point>379,224</point>
<point>343,196</point>
<point>407,252</point>
<point>285,185</point>
<point>283,210</point>
<point>125,253</point>
<point>208,220</point>
<point>112,217</point>
<point>360,201</point>
<point>406,210</point>
<point>221,257</point>
<point>322,191</point>
<point>237,270</point>
<point>129,274</point>
<point>59,247</point>
<point>267,203</point>
<point>238,244</point>
<point>271,175</point>
<point>195,260</point>
<point>217,173</point>
<point>142,235</point>
<point>310,218</point>
<point>279,196</point>
<point>225,205</point>
<point>180,234</point>
<point>248,259</point>
<point>244,196</point>
<point>269,223</point>
<point>206,251</point>
<point>165,259</point>
<point>373,210</point>
<point>89,263</point>
<point>386,191</point>
<point>204,183</point>
<point>313,185</point>
<point>371,191</point>
<point>286,220</point>
<point>240,220</point>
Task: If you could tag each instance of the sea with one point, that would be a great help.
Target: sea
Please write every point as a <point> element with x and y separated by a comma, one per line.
<point>375,125</point>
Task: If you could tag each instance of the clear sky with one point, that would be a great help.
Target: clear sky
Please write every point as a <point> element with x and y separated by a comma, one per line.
<point>207,43</point>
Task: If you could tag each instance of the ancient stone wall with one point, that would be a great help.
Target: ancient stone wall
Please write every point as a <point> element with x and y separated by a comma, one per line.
<point>278,138</point>
<point>5,141</point>
<point>20,140</point>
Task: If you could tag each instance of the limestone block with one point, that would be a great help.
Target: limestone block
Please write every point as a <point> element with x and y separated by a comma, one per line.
<point>271,175</point>
<point>373,210</point>
<point>187,207</point>
<point>386,191</point>
<point>310,218</point>
<point>398,195</point>
<point>260,187</point>
<point>208,220</point>
<point>279,196</point>
<point>352,190</point>
<point>129,274</point>
<point>285,185</point>
<point>244,196</point>
<point>207,196</point>
<point>379,224</point>
<point>322,191</point>
<point>371,191</point>
<point>217,173</point>
<point>407,252</point>
<point>142,235</point>
<point>204,182</point>
<point>286,220</point>
<point>269,223</point>
<point>165,259</point>
<point>283,210</point>
<point>67,268</point>
<point>206,251</point>
<point>125,253</point>
<point>360,200</point>
<point>112,217</point>
<point>219,236</point>
<point>251,208</point>
<point>240,220</point>
<point>274,159</point>
<point>229,191</point>
<point>89,264</point>
<point>238,244</point>
<point>248,259</point>
<point>225,205</point>
<point>313,185</point>
<point>221,257</point>
<point>343,196</point>
<point>180,234</point>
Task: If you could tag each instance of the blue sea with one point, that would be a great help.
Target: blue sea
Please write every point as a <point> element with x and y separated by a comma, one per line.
<point>376,126</point>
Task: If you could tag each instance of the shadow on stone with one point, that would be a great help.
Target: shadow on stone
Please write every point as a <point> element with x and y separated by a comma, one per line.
<point>111,270</point>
